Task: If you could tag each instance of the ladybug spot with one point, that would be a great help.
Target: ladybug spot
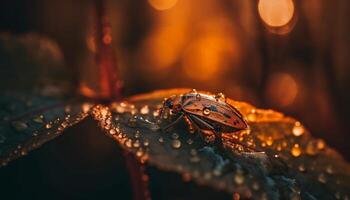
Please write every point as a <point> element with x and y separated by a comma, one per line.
<point>206,111</point>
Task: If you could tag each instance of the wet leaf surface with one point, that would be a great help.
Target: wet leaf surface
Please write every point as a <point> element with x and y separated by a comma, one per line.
<point>28,121</point>
<point>276,158</point>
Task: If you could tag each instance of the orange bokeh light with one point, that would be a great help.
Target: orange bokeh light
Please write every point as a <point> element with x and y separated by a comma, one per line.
<point>276,13</point>
<point>206,57</point>
<point>163,46</point>
<point>87,91</point>
<point>282,89</point>
<point>162,4</point>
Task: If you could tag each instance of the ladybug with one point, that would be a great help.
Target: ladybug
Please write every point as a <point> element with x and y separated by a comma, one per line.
<point>210,115</point>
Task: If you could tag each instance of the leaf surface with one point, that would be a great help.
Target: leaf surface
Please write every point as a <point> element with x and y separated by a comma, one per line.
<point>27,121</point>
<point>276,158</point>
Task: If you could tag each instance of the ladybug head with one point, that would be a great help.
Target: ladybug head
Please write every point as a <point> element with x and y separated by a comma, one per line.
<point>173,103</point>
<point>169,103</point>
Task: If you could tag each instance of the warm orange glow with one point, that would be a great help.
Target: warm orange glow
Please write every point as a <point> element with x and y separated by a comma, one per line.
<point>87,91</point>
<point>163,47</point>
<point>282,89</point>
<point>107,35</point>
<point>207,58</point>
<point>276,13</point>
<point>162,4</point>
<point>91,43</point>
<point>107,39</point>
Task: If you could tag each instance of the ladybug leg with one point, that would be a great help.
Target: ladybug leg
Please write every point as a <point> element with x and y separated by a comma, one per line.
<point>192,125</point>
<point>173,123</point>
<point>211,129</point>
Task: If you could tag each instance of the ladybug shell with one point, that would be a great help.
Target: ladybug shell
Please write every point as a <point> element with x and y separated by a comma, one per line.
<point>217,111</point>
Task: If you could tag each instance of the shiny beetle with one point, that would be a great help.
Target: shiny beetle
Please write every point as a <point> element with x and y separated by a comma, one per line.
<point>208,114</point>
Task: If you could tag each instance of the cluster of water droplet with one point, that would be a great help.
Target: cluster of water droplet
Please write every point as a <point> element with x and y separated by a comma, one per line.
<point>39,128</point>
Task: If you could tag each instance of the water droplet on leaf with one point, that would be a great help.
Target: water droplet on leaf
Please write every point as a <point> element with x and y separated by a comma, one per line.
<point>144,110</point>
<point>298,129</point>
<point>296,151</point>
<point>322,178</point>
<point>176,144</point>
<point>19,125</point>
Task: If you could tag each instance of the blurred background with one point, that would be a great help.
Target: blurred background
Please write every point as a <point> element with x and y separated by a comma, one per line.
<point>288,55</point>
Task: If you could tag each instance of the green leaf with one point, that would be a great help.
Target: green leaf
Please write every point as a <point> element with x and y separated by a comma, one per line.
<point>276,158</point>
<point>28,121</point>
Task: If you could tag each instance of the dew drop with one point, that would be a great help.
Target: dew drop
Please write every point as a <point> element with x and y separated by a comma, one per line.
<point>136,143</point>
<point>165,115</point>
<point>137,134</point>
<point>284,144</point>
<point>302,168</point>
<point>139,152</point>
<point>19,125</point>
<point>112,131</point>
<point>176,144</point>
<point>238,178</point>
<point>86,107</point>
<point>146,143</point>
<point>279,147</point>
<point>255,186</point>
<point>252,116</point>
<point>329,169</point>
<point>104,112</point>
<point>66,118</point>
<point>156,113</point>
<point>322,178</point>
<point>298,129</point>
<point>64,124</point>
<point>296,151</point>
<point>220,97</point>
<point>189,141</point>
<point>48,125</point>
<point>128,143</point>
<point>320,144</point>
<point>144,110</point>
<point>23,153</point>
<point>269,141</point>
<point>39,119</point>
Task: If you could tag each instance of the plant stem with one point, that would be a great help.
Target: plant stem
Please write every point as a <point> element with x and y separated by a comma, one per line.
<point>105,58</point>
<point>138,177</point>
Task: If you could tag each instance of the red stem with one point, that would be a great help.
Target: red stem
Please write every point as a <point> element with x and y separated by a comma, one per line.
<point>138,177</point>
<point>105,57</point>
